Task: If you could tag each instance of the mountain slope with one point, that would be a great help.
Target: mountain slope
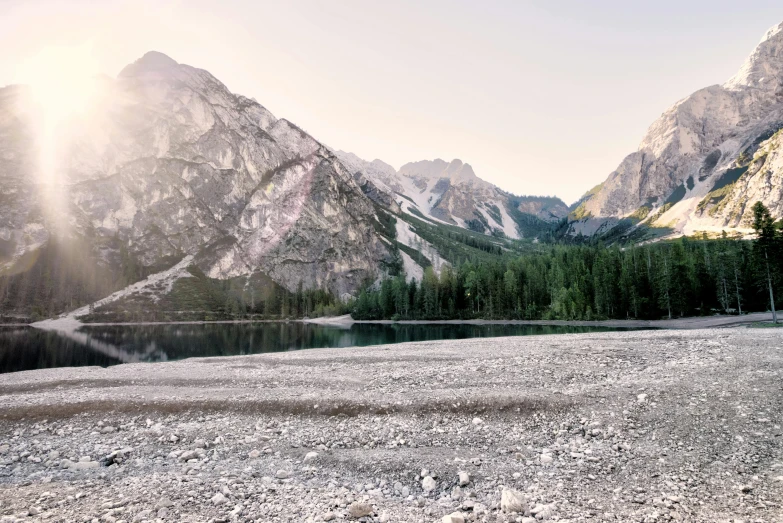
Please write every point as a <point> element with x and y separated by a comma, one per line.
<point>173,164</point>
<point>713,139</point>
<point>451,193</point>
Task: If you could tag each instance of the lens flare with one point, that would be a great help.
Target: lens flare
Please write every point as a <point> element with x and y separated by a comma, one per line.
<point>61,86</point>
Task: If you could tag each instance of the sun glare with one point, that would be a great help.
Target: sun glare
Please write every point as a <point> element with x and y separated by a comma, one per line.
<point>61,80</point>
<point>61,86</point>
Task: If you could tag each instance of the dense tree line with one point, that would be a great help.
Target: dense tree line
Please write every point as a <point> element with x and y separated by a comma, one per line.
<point>62,275</point>
<point>685,277</point>
<point>571,282</point>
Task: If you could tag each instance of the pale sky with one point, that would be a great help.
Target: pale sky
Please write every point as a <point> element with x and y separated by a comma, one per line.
<point>540,97</point>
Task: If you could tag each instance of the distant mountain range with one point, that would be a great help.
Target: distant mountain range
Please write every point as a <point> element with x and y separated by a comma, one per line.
<point>174,165</point>
<point>451,193</point>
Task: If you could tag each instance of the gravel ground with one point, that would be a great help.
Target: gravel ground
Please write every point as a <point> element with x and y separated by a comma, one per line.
<point>635,426</point>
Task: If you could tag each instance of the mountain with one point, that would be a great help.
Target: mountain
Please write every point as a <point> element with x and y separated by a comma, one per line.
<point>172,164</point>
<point>703,163</point>
<point>452,193</point>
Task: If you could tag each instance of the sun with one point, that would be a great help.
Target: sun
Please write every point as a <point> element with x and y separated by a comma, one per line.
<point>62,82</point>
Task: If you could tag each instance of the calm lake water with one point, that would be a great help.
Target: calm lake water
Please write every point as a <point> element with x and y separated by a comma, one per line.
<point>26,348</point>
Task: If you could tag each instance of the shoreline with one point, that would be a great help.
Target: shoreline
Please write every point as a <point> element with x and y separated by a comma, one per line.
<point>693,322</point>
<point>613,426</point>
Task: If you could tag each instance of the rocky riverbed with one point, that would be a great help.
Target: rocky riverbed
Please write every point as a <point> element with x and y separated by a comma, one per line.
<point>643,426</point>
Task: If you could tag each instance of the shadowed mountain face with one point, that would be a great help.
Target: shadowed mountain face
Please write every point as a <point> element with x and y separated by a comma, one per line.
<point>171,163</point>
<point>706,160</point>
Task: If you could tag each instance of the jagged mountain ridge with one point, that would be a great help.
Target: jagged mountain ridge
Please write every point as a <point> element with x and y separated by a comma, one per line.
<point>704,162</point>
<point>175,164</point>
<point>452,193</point>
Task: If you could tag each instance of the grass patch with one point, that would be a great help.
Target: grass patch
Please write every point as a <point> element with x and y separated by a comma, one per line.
<point>765,325</point>
<point>640,214</point>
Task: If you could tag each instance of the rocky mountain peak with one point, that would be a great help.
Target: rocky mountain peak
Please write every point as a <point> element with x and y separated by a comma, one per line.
<point>178,166</point>
<point>456,171</point>
<point>151,61</point>
<point>698,168</point>
<point>763,69</point>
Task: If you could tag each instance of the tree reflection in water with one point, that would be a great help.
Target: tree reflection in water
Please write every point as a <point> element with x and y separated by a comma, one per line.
<point>25,348</point>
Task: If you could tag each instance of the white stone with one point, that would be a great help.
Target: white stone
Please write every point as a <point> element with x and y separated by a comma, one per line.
<point>455,517</point>
<point>428,484</point>
<point>464,478</point>
<point>512,501</point>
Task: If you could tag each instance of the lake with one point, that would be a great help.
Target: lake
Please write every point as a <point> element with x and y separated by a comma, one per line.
<point>26,348</point>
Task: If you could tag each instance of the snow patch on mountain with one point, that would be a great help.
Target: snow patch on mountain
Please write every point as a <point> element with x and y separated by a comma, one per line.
<point>413,271</point>
<point>407,236</point>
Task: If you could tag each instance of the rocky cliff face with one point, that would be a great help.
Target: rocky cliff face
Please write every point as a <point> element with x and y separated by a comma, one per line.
<point>452,193</point>
<point>705,161</point>
<point>174,164</point>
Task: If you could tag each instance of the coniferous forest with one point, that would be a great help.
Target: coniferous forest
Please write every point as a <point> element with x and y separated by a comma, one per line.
<point>583,280</point>
<point>683,277</point>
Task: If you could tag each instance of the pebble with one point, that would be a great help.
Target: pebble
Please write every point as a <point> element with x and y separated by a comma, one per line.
<point>464,479</point>
<point>84,465</point>
<point>359,510</point>
<point>455,517</point>
<point>218,499</point>
<point>428,484</point>
<point>512,501</point>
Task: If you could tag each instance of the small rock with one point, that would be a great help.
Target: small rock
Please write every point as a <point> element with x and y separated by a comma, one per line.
<point>478,421</point>
<point>218,499</point>
<point>464,479</point>
<point>163,503</point>
<point>253,454</point>
<point>455,517</point>
<point>359,510</point>
<point>512,501</point>
<point>310,456</point>
<point>429,484</point>
<point>282,474</point>
<point>546,459</point>
<point>543,512</point>
<point>141,516</point>
<point>329,516</point>
<point>84,465</point>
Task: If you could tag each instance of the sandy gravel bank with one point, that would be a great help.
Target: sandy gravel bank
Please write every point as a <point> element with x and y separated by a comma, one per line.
<point>635,426</point>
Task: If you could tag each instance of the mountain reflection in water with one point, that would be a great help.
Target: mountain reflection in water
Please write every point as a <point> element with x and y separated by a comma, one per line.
<point>26,348</point>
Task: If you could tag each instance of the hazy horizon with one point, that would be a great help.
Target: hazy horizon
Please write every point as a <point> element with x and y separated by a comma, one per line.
<point>540,100</point>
